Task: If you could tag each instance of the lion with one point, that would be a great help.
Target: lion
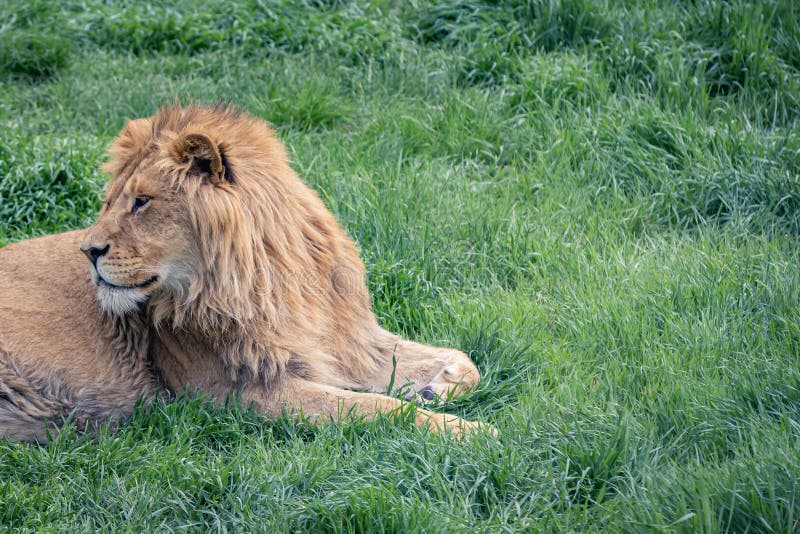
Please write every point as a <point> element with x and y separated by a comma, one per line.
<point>212,267</point>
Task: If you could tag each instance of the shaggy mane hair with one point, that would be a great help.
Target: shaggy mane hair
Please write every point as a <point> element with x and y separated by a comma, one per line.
<point>277,272</point>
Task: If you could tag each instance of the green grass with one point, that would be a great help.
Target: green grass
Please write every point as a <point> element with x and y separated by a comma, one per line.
<point>600,201</point>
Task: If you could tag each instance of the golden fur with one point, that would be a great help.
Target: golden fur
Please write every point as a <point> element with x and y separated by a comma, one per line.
<point>212,266</point>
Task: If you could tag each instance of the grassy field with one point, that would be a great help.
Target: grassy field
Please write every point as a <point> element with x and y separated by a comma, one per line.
<point>599,201</point>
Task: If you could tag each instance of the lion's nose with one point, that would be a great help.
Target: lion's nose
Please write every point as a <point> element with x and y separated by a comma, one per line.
<point>93,253</point>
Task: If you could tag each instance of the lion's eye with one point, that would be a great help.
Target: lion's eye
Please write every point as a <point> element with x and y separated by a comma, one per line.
<point>139,202</point>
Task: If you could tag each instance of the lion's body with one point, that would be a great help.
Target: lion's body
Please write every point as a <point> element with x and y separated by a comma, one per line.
<point>214,267</point>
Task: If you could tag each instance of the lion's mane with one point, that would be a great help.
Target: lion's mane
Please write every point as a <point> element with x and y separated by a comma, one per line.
<point>278,277</point>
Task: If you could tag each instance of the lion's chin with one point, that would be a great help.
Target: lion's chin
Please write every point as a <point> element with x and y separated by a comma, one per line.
<point>122,300</point>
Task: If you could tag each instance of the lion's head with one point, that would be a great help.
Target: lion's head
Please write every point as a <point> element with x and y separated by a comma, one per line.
<point>202,207</point>
<point>142,240</point>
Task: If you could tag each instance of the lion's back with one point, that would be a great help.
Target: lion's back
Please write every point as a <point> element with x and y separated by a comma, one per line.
<point>48,318</point>
<point>57,355</point>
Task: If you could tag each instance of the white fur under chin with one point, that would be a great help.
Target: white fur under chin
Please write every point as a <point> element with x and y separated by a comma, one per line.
<point>120,301</point>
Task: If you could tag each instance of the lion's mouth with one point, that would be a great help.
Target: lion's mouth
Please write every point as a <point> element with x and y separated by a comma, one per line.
<point>103,282</point>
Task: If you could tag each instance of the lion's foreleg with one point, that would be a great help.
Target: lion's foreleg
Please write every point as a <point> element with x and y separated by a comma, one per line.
<point>320,402</point>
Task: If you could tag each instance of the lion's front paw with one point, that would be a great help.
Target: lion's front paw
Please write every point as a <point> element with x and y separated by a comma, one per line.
<point>462,427</point>
<point>455,379</point>
<point>457,427</point>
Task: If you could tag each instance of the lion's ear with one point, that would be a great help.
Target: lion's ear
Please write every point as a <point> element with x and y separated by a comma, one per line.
<point>203,156</point>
